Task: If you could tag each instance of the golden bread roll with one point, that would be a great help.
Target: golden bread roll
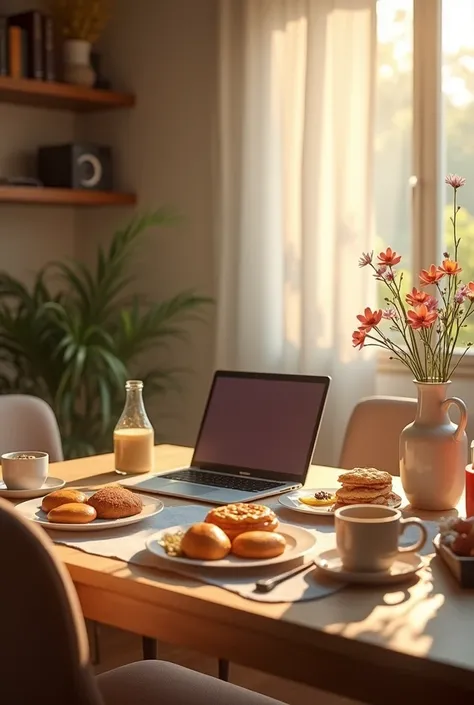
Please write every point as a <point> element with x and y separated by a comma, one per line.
<point>115,502</point>
<point>205,542</point>
<point>55,499</point>
<point>239,518</point>
<point>73,513</point>
<point>259,544</point>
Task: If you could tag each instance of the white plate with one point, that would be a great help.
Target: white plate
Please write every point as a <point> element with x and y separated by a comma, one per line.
<point>291,501</point>
<point>32,510</point>
<point>403,568</point>
<point>49,485</point>
<point>299,541</point>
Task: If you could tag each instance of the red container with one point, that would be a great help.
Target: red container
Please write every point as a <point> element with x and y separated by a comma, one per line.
<point>469,491</point>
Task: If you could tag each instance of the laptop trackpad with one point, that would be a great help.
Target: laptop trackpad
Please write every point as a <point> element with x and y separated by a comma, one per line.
<point>175,487</point>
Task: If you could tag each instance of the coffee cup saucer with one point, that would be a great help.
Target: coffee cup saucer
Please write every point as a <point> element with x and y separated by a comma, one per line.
<point>49,485</point>
<point>403,568</point>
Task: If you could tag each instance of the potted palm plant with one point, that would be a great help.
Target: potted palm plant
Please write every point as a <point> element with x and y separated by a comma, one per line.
<point>75,344</point>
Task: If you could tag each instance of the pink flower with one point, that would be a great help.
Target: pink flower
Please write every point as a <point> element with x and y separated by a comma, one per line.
<point>389,313</point>
<point>461,294</point>
<point>455,181</point>
<point>369,319</point>
<point>389,258</point>
<point>416,297</point>
<point>366,259</point>
<point>431,303</point>
<point>421,317</point>
<point>358,338</point>
<point>470,291</point>
<point>380,273</point>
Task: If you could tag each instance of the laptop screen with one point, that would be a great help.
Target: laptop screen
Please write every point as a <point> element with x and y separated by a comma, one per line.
<point>265,423</point>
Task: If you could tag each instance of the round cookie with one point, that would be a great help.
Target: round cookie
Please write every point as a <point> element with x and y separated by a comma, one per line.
<point>366,477</point>
<point>235,519</point>
<point>115,502</point>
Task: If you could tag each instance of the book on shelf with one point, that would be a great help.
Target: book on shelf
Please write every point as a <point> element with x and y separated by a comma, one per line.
<point>32,24</point>
<point>49,55</point>
<point>15,52</point>
<point>4,45</point>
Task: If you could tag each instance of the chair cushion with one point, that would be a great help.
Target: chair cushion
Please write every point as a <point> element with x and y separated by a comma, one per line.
<point>163,683</point>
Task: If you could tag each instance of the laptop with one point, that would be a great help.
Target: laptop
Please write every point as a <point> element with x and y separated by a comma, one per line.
<point>256,439</point>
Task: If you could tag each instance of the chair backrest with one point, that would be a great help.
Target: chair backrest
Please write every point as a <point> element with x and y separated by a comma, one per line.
<point>373,432</point>
<point>45,657</point>
<point>28,423</point>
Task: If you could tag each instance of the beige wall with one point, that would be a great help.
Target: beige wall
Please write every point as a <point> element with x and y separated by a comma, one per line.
<point>165,52</point>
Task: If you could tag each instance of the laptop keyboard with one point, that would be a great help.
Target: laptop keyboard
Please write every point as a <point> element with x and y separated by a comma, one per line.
<point>229,482</point>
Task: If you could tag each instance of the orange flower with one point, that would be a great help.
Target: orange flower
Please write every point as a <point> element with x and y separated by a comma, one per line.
<point>421,317</point>
<point>389,258</point>
<point>469,289</point>
<point>431,275</point>
<point>416,297</point>
<point>358,338</point>
<point>369,319</point>
<point>449,267</point>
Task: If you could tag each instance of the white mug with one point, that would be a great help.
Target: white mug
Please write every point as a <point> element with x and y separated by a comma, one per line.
<point>367,536</point>
<point>25,470</point>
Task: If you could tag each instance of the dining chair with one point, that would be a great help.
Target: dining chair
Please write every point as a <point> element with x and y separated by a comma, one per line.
<point>373,431</point>
<point>45,657</point>
<point>28,423</point>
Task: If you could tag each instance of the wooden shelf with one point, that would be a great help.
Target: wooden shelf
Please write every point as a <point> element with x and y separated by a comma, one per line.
<point>61,96</point>
<point>64,196</point>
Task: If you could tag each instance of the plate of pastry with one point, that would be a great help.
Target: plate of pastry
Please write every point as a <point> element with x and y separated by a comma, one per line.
<point>74,510</point>
<point>233,536</point>
<point>357,486</point>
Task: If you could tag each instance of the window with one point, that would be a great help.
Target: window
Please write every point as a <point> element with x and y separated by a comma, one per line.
<point>424,123</point>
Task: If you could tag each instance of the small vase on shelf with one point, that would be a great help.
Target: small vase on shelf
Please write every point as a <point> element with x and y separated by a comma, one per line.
<point>433,450</point>
<point>77,64</point>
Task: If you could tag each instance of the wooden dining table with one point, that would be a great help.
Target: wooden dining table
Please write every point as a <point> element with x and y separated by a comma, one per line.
<point>398,644</point>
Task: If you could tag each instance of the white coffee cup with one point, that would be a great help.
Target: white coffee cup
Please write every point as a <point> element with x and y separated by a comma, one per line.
<point>25,470</point>
<point>367,536</point>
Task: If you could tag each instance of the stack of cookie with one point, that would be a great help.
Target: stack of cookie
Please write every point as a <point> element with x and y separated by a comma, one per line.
<point>364,486</point>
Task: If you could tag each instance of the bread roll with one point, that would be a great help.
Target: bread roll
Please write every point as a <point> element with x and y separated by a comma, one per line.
<point>73,513</point>
<point>205,542</point>
<point>115,502</point>
<point>55,499</point>
<point>258,544</point>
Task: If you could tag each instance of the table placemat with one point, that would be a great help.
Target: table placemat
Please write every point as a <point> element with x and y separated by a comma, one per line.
<point>128,544</point>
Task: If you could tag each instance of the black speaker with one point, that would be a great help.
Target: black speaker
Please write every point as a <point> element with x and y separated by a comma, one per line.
<point>81,166</point>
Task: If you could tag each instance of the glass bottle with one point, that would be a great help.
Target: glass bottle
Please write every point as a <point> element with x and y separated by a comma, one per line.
<point>133,434</point>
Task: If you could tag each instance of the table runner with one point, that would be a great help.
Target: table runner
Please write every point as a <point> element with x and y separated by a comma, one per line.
<point>128,544</point>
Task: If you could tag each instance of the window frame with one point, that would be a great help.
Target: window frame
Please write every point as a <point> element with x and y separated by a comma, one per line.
<point>428,164</point>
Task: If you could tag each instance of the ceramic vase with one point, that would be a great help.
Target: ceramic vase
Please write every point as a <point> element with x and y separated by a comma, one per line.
<point>77,64</point>
<point>433,450</point>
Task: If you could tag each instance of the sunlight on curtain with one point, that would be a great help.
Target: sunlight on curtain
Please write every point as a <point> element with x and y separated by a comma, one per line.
<point>295,206</point>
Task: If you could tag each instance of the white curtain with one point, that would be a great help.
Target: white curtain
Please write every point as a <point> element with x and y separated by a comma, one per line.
<point>296,120</point>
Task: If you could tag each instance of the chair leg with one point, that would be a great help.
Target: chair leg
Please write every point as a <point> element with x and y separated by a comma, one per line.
<point>223,669</point>
<point>149,648</point>
<point>95,656</point>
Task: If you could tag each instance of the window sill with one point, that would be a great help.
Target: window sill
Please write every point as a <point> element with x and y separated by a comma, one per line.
<point>387,366</point>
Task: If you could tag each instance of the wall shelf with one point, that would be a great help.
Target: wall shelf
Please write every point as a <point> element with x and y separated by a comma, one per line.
<point>61,96</point>
<point>24,195</point>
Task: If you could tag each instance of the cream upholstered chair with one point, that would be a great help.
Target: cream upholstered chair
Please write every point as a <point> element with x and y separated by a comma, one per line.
<point>373,431</point>
<point>45,658</point>
<point>28,423</point>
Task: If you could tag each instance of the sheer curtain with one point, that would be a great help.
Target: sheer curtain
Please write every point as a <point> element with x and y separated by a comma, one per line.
<point>295,206</point>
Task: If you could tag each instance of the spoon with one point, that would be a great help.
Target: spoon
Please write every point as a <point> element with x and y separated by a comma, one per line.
<point>270,583</point>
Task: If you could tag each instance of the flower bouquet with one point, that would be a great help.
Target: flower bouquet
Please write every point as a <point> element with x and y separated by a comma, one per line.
<point>428,321</point>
